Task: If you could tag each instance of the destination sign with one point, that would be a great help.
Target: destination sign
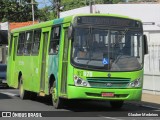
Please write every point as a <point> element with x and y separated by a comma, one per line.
<point>108,21</point>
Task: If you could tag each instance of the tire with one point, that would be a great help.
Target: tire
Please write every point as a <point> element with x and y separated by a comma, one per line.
<point>32,95</point>
<point>23,93</point>
<point>116,104</point>
<point>57,102</point>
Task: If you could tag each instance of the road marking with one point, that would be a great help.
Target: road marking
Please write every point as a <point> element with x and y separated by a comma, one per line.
<point>10,94</point>
<point>146,106</point>
<point>156,110</point>
<point>3,90</point>
<point>112,118</point>
<point>150,107</point>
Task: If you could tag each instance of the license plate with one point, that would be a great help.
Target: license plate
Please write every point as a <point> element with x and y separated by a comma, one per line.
<point>107,94</point>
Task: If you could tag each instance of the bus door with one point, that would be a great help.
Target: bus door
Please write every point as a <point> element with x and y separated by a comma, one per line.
<point>65,60</point>
<point>45,37</point>
<point>11,61</point>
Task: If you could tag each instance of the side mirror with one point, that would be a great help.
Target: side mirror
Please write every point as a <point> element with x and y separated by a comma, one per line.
<point>145,44</point>
<point>70,32</point>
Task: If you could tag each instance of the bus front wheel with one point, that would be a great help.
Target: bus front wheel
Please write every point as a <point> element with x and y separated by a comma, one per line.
<point>116,104</point>
<point>57,102</point>
<point>23,93</point>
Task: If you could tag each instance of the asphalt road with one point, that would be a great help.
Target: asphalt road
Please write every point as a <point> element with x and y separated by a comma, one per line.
<point>10,101</point>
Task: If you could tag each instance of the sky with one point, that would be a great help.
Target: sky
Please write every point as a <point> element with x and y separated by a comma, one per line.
<point>43,3</point>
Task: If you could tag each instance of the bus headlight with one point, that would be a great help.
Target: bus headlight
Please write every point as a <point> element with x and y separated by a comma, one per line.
<point>80,82</point>
<point>135,83</point>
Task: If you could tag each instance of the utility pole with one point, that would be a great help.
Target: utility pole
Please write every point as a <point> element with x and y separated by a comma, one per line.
<point>57,7</point>
<point>91,7</point>
<point>32,11</point>
<point>32,3</point>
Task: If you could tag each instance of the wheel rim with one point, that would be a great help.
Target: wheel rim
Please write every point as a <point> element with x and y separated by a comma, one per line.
<point>21,88</point>
<point>54,94</point>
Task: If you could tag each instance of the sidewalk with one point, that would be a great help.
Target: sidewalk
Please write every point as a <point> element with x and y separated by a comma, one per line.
<point>151,98</point>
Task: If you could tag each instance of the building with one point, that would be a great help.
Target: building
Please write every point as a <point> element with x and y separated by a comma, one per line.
<point>14,25</point>
<point>7,27</point>
<point>150,16</point>
<point>4,41</point>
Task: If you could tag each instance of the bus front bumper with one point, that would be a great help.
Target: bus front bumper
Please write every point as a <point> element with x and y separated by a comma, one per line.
<point>75,92</point>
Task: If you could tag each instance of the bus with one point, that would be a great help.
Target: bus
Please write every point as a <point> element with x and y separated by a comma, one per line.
<point>85,56</point>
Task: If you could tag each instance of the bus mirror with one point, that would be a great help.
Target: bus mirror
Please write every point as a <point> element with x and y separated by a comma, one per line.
<point>70,32</point>
<point>145,44</point>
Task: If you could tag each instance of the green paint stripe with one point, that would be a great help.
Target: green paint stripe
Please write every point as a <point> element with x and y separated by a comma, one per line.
<point>58,21</point>
<point>108,81</point>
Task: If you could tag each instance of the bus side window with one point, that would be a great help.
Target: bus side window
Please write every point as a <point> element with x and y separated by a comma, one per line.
<point>28,44</point>
<point>54,41</point>
<point>10,45</point>
<point>21,42</point>
<point>36,41</point>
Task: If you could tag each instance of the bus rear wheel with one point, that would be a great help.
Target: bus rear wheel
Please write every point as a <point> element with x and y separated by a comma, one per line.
<point>116,104</point>
<point>57,102</point>
<point>23,93</point>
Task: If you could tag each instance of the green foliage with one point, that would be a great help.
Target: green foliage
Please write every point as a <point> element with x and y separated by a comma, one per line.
<point>46,14</point>
<point>12,11</point>
<point>72,4</point>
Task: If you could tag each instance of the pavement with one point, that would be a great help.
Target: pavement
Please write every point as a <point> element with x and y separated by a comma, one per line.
<point>152,98</point>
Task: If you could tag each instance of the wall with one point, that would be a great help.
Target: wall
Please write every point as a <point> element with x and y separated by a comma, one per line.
<point>152,64</point>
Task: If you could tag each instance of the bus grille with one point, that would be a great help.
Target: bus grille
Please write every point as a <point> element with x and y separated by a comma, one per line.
<point>108,82</point>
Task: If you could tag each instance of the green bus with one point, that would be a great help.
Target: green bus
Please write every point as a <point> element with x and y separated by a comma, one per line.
<point>86,56</point>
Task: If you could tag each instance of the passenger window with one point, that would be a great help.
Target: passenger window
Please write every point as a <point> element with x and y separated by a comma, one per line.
<point>21,42</point>
<point>55,40</point>
<point>36,42</point>
<point>10,45</point>
<point>28,45</point>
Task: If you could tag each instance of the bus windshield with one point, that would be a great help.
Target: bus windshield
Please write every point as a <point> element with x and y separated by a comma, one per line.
<point>107,49</point>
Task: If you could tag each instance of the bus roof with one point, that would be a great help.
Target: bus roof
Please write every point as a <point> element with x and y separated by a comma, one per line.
<point>64,20</point>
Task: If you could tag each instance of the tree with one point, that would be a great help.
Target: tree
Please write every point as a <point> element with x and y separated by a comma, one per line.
<point>112,1</point>
<point>13,11</point>
<point>46,14</point>
<point>50,12</point>
<point>72,4</point>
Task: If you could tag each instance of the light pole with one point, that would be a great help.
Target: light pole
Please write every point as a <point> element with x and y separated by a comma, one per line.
<point>32,3</point>
<point>91,3</point>
<point>57,7</point>
<point>32,11</point>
